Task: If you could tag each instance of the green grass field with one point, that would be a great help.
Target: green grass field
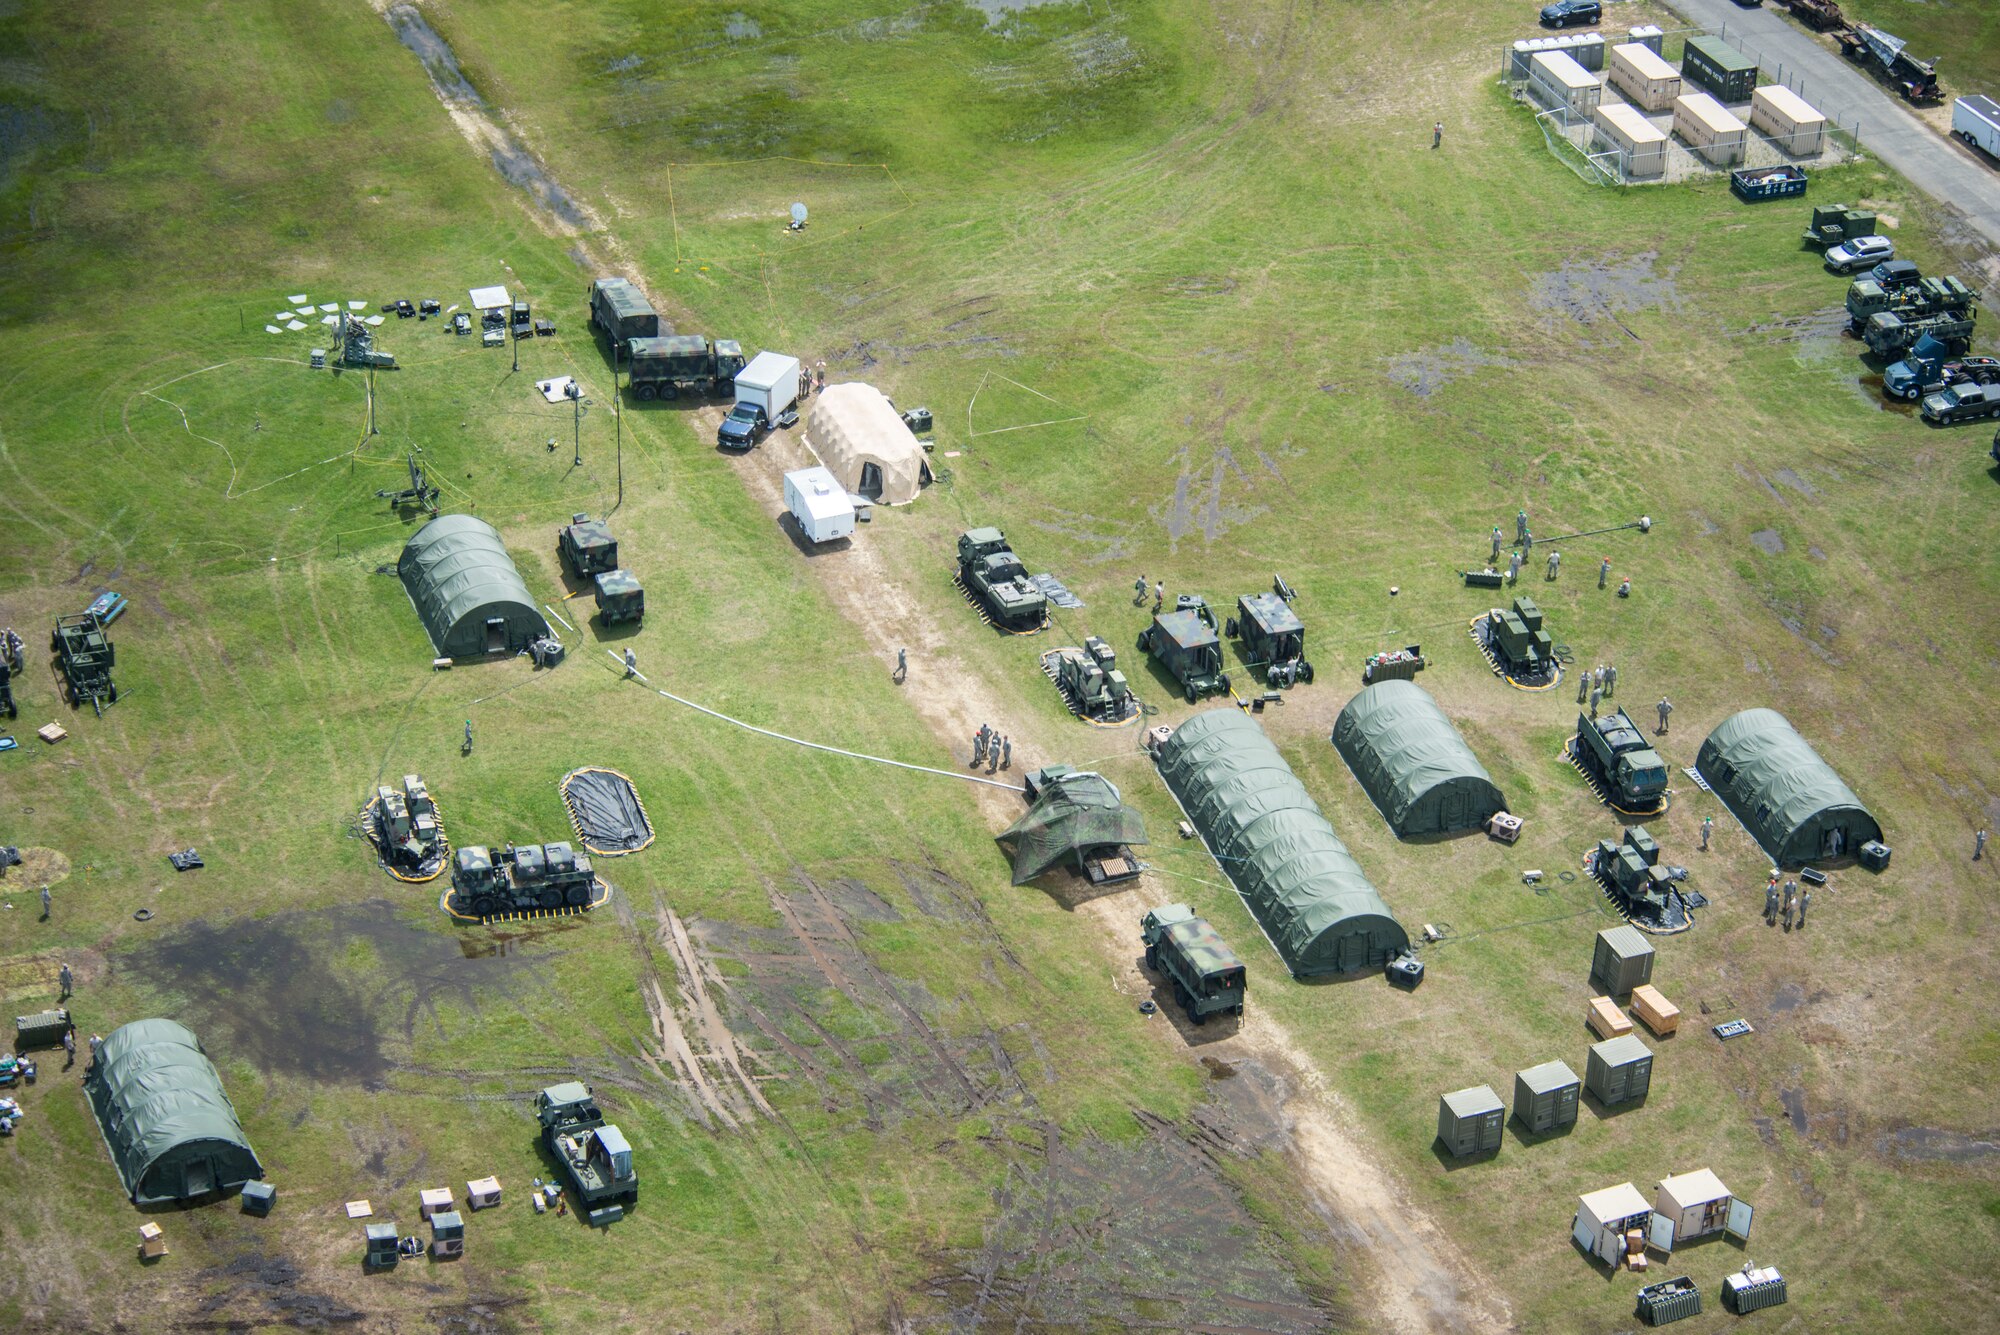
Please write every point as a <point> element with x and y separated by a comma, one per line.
<point>1190,296</point>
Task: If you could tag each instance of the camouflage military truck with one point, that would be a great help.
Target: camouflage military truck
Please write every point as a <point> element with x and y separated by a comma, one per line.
<point>1867,298</point>
<point>623,313</point>
<point>1520,646</point>
<point>1631,871</point>
<point>664,367</point>
<point>586,546</point>
<point>1184,643</point>
<point>729,359</point>
<point>1272,637</point>
<point>996,581</point>
<point>406,826</point>
<point>1207,976</point>
<point>1628,771</point>
<point>488,883</point>
<point>619,597</point>
<point>85,654</point>
<point>1091,683</point>
<point>1889,335</point>
<point>595,1157</point>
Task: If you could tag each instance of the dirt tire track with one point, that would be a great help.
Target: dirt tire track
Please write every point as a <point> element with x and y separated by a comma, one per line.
<point>694,993</point>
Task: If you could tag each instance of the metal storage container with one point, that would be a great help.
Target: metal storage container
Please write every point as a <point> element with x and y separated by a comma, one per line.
<point>1640,144</point>
<point>1709,129</point>
<point>1469,1121</point>
<point>1788,120</point>
<point>1719,67</point>
<point>1564,83</point>
<point>1752,1289</point>
<point>447,1233</point>
<point>1624,959</point>
<point>1545,1097</point>
<point>1620,1070</point>
<point>259,1197</point>
<point>1638,72</point>
<point>381,1245</point>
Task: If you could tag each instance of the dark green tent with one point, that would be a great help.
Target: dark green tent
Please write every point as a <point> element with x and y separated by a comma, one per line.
<point>1311,897</point>
<point>171,1130</point>
<point>466,589</point>
<point>1790,800</point>
<point>1420,773</point>
<point>1072,814</point>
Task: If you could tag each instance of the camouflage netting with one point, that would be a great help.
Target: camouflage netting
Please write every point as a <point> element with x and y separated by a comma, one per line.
<point>1789,799</point>
<point>1073,814</point>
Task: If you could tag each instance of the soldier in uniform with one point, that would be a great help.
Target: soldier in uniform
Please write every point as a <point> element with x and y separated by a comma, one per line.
<point>1582,687</point>
<point>1610,679</point>
<point>1603,571</point>
<point>468,737</point>
<point>1791,902</point>
<point>1771,903</point>
<point>1521,526</point>
<point>1805,900</point>
<point>1006,753</point>
<point>66,980</point>
<point>1555,563</point>
<point>1707,828</point>
<point>631,664</point>
<point>1494,559</point>
<point>1596,699</point>
<point>1979,845</point>
<point>1514,568</point>
<point>1665,707</point>
<point>902,666</point>
<point>1139,592</point>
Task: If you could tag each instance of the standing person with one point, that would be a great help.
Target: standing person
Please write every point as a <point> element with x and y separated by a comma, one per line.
<point>66,980</point>
<point>1603,571</point>
<point>1597,675</point>
<point>1159,596</point>
<point>979,745</point>
<point>1805,902</point>
<point>1514,567</point>
<point>1527,543</point>
<point>1791,903</point>
<point>902,666</point>
<point>1610,679</point>
<point>993,754</point>
<point>468,738</point>
<point>1555,563</point>
<point>1666,707</point>
<point>1521,526</point>
<point>1596,699</point>
<point>69,1048</point>
<point>48,902</point>
<point>1139,592</point>
<point>1979,845</point>
<point>1707,828</point>
<point>631,663</point>
<point>1582,687</point>
<point>1494,559</point>
<point>1437,134</point>
<point>1771,904</point>
<point>1006,753</point>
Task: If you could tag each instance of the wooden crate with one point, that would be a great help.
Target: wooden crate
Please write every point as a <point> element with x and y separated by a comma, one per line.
<point>1661,1016</point>
<point>152,1241</point>
<point>1605,1019</point>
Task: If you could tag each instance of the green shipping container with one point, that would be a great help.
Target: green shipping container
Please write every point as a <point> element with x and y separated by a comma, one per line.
<point>1720,68</point>
<point>1622,961</point>
<point>1545,1097</point>
<point>1620,1070</point>
<point>1469,1121</point>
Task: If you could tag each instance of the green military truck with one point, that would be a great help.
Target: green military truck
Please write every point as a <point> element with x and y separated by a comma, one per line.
<point>594,1156</point>
<point>1890,335</point>
<point>1208,979</point>
<point>623,313</point>
<point>1184,643</point>
<point>1867,298</point>
<point>586,547</point>
<point>619,597</point>
<point>996,581</point>
<point>669,365</point>
<point>1613,752</point>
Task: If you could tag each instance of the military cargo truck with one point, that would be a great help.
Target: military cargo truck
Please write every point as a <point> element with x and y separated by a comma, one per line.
<point>1090,681</point>
<point>84,654</point>
<point>619,597</point>
<point>489,883</point>
<point>1184,643</point>
<point>623,313</point>
<point>1611,750</point>
<point>1867,298</point>
<point>996,581</point>
<point>1208,978</point>
<point>665,367</point>
<point>586,546</point>
<point>1519,645</point>
<point>1272,637</point>
<point>1889,335</point>
<point>594,1155</point>
<point>1630,870</point>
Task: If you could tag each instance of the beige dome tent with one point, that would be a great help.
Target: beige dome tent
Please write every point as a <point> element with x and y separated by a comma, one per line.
<point>856,432</point>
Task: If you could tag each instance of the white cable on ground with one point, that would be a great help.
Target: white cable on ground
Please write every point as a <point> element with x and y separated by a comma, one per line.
<point>815,746</point>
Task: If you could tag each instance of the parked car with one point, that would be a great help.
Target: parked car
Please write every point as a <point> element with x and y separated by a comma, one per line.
<point>1861,253</point>
<point>1890,275</point>
<point>1569,13</point>
<point>1963,402</point>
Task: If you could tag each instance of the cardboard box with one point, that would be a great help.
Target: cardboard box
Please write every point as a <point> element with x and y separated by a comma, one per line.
<point>1605,1019</point>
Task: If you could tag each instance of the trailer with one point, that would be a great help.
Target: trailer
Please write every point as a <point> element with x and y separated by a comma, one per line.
<point>819,504</point>
<point>1976,120</point>
<point>1819,15</point>
<point>1564,83</point>
<point>1888,58</point>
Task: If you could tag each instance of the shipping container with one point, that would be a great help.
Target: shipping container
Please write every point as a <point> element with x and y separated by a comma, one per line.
<point>1788,120</point>
<point>1623,960</point>
<point>1696,1204</point>
<point>1706,126</point>
<point>1640,144</point>
<point>1620,1070</point>
<point>1545,1097</point>
<point>1711,63</point>
<point>1564,83</point>
<point>1469,1121</point>
<point>1604,1217</point>
<point>1639,73</point>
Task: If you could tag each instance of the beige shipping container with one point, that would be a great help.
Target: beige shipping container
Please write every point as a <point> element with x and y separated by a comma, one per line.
<point>1789,120</point>
<point>1643,143</point>
<point>1565,83</point>
<point>1697,1203</point>
<point>1708,128</point>
<point>1639,73</point>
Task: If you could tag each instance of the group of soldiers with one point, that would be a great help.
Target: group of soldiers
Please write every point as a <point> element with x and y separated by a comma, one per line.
<point>1524,544</point>
<point>1595,684</point>
<point>991,749</point>
<point>1159,594</point>
<point>1789,907</point>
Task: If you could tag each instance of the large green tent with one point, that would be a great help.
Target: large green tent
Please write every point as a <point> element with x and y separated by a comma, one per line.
<point>1790,800</point>
<point>1311,897</point>
<point>1074,813</point>
<point>465,587</point>
<point>1420,773</point>
<point>171,1129</point>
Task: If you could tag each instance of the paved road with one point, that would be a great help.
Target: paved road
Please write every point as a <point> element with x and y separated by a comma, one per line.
<point>1937,165</point>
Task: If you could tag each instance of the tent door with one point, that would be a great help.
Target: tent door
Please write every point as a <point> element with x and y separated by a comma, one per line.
<point>871,481</point>
<point>1353,952</point>
<point>1660,1234</point>
<point>1830,846</point>
<point>1739,1220</point>
<point>200,1178</point>
<point>496,635</point>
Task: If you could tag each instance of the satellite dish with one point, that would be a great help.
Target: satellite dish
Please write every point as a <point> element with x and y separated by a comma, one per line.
<point>798,213</point>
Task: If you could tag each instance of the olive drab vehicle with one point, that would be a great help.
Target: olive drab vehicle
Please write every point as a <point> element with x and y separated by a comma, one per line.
<point>623,313</point>
<point>1208,978</point>
<point>997,583</point>
<point>1184,643</point>
<point>666,366</point>
<point>586,546</point>
<point>1516,638</point>
<point>1890,335</point>
<point>594,1155</point>
<point>1931,296</point>
<point>1623,765</point>
<point>619,597</point>
<point>529,878</point>
<point>1273,638</point>
<point>406,826</point>
<point>85,655</point>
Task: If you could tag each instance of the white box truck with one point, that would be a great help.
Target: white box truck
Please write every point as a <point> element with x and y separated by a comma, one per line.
<point>1976,120</point>
<point>767,394</point>
<point>820,505</point>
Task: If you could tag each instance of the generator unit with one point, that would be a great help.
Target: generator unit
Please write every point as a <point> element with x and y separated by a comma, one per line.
<point>406,828</point>
<point>1272,637</point>
<point>548,878</point>
<point>586,547</point>
<point>1516,641</point>
<point>1184,642</point>
<point>1090,681</point>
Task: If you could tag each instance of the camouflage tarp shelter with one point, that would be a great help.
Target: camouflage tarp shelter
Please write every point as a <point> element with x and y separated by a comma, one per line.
<point>1790,800</point>
<point>466,589</point>
<point>858,435</point>
<point>1073,814</point>
<point>1420,773</point>
<point>1266,831</point>
<point>171,1129</point>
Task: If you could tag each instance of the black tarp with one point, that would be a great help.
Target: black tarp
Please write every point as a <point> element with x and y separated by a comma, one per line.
<point>606,811</point>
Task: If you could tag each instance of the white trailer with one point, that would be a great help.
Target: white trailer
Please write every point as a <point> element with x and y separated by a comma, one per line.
<point>819,503</point>
<point>770,382</point>
<point>1976,120</point>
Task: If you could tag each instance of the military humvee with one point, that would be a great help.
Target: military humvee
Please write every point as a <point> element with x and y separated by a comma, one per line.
<point>619,597</point>
<point>1207,976</point>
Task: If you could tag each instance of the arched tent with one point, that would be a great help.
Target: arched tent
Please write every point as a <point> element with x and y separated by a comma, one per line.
<point>1790,800</point>
<point>1422,776</point>
<point>1306,889</point>
<point>171,1130</point>
<point>863,441</point>
<point>466,589</point>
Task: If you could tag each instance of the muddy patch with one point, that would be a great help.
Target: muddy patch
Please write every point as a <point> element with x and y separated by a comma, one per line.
<point>273,1286</point>
<point>1197,505</point>
<point>1592,293</point>
<point>741,27</point>
<point>1795,1110</point>
<point>1826,326</point>
<point>1934,1145</point>
<point>322,994</point>
<point>1200,285</point>
<point>1427,370</point>
<point>1766,540</point>
<point>1788,478</point>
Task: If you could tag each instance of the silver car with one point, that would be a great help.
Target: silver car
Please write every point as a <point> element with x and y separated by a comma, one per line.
<point>1861,253</point>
